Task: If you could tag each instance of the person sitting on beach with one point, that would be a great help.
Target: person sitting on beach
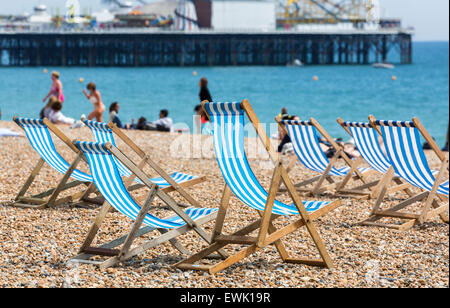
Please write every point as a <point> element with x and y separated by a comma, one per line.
<point>286,143</point>
<point>113,117</point>
<point>113,114</point>
<point>45,112</point>
<point>204,91</point>
<point>141,124</point>
<point>95,98</point>
<point>57,117</point>
<point>56,90</point>
<point>163,124</point>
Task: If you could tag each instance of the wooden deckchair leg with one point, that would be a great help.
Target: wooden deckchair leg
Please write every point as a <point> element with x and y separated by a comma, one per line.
<point>276,178</point>
<point>31,178</point>
<point>64,180</point>
<point>400,184</point>
<point>174,206</point>
<point>377,215</point>
<point>443,216</point>
<point>216,245</point>
<point>278,244</point>
<point>350,173</point>
<point>88,191</point>
<point>222,212</point>
<point>326,172</point>
<point>95,226</point>
<point>384,184</point>
<point>176,244</point>
<point>307,220</point>
<point>433,191</point>
<point>292,162</point>
<point>138,222</point>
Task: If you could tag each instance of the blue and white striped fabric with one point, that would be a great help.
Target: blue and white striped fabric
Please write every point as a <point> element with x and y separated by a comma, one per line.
<point>402,141</point>
<point>305,140</point>
<point>228,131</point>
<point>109,182</point>
<point>40,139</point>
<point>366,141</point>
<point>104,134</point>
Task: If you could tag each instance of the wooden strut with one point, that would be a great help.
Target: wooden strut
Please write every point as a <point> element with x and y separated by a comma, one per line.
<point>429,199</point>
<point>267,233</point>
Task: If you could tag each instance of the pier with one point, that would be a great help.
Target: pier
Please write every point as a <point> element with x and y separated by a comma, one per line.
<point>202,48</point>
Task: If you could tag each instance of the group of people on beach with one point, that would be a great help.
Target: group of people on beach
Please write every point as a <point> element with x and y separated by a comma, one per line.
<point>55,99</point>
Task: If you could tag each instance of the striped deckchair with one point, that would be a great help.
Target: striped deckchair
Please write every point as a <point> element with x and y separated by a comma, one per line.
<point>38,134</point>
<point>102,159</point>
<point>304,137</point>
<point>228,126</point>
<point>405,154</point>
<point>176,181</point>
<point>366,141</point>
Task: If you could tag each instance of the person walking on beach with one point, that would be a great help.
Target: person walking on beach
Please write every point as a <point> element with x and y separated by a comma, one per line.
<point>56,90</point>
<point>95,98</point>
<point>204,91</point>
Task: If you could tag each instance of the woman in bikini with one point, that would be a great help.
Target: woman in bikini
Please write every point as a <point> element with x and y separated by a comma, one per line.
<point>95,98</point>
<point>56,90</point>
<point>55,95</point>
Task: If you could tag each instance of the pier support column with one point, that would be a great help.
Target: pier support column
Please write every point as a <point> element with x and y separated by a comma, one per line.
<point>365,52</point>
<point>384,50</point>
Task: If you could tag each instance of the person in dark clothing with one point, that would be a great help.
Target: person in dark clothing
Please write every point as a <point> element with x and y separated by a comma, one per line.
<point>142,122</point>
<point>285,137</point>
<point>163,124</point>
<point>445,148</point>
<point>204,92</point>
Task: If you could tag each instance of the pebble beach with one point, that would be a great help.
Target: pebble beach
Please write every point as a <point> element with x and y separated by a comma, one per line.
<point>36,244</point>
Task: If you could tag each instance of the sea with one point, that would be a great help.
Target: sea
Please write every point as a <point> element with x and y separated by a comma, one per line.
<point>351,92</point>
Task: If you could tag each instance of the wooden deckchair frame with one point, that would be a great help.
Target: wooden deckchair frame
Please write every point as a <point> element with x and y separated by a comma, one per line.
<point>267,233</point>
<point>353,174</point>
<point>429,199</point>
<point>127,252</point>
<point>152,164</point>
<point>50,198</point>
<point>400,185</point>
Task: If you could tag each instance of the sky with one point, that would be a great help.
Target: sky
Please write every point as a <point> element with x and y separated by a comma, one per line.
<point>430,18</point>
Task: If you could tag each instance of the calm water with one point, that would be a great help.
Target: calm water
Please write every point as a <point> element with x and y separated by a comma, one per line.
<point>350,92</point>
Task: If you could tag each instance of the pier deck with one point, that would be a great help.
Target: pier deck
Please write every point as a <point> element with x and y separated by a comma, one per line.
<point>204,48</point>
